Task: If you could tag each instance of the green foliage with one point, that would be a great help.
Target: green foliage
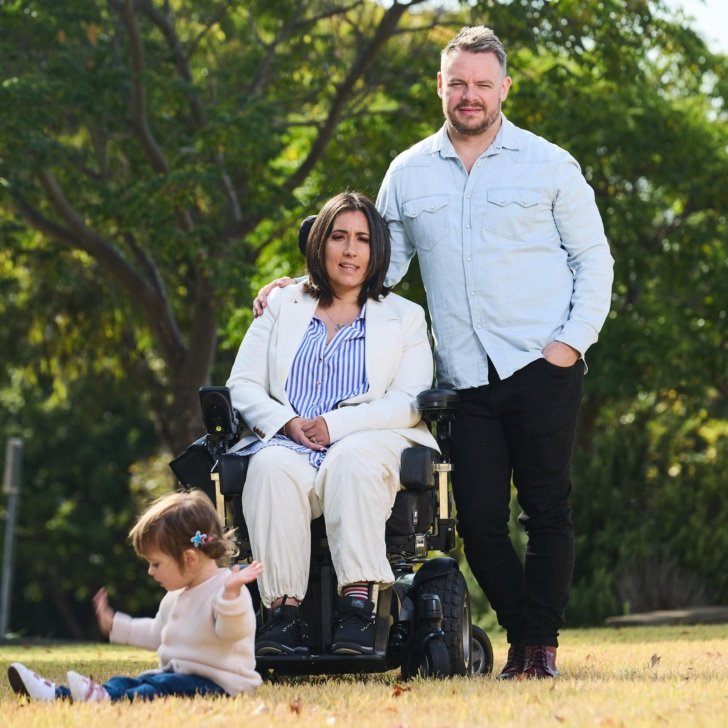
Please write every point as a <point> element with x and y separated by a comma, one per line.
<point>650,504</point>
<point>76,506</point>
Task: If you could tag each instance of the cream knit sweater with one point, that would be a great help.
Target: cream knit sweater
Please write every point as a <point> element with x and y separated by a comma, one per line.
<point>197,632</point>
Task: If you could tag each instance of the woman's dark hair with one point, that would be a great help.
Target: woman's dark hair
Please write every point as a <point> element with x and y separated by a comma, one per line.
<point>373,287</point>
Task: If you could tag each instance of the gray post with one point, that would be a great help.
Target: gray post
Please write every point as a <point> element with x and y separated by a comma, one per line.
<point>11,488</point>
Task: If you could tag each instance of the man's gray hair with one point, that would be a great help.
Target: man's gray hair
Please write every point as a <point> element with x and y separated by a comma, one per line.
<point>476,39</point>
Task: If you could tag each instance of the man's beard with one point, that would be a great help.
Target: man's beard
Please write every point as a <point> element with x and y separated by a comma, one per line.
<point>482,127</point>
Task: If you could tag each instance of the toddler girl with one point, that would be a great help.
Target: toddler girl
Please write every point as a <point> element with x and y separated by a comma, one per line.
<point>204,630</point>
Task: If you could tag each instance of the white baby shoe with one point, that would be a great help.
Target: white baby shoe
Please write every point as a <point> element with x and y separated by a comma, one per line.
<point>26,682</point>
<point>85,690</point>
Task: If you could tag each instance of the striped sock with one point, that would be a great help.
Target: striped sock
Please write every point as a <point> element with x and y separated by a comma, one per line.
<point>359,589</point>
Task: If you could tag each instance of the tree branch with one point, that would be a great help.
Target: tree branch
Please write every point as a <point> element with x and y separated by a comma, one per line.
<point>296,24</point>
<point>362,63</point>
<point>149,296</point>
<point>181,60</point>
<point>260,79</point>
<point>139,118</point>
<point>214,20</point>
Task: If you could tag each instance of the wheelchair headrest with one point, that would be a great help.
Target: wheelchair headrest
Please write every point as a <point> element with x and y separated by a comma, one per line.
<point>303,232</point>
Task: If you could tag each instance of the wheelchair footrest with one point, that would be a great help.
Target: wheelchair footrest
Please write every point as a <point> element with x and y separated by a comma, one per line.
<point>323,664</point>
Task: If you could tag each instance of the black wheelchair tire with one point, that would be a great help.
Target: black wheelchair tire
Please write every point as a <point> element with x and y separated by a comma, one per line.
<point>436,662</point>
<point>482,652</point>
<point>455,600</point>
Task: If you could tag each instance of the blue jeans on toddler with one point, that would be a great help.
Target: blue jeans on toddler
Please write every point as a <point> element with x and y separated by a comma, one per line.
<point>154,685</point>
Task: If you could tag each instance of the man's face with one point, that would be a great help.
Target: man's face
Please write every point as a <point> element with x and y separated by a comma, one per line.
<point>472,88</point>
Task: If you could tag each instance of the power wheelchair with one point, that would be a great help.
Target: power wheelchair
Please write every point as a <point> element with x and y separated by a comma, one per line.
<point>423,623</point>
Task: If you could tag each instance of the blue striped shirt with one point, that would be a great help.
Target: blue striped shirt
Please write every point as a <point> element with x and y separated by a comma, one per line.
<point>322,376</point>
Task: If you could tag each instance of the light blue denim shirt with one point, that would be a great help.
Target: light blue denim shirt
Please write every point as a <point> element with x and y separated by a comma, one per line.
<point>512,255</point>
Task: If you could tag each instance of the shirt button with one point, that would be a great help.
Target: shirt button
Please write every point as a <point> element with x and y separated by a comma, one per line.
<point>318,384</point>
<point>467,227</point>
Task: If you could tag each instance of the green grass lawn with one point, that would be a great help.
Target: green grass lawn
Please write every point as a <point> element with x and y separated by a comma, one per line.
<point>645,676</point>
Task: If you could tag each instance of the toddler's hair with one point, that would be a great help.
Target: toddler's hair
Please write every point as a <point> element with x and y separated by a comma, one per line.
<point>179,521</point>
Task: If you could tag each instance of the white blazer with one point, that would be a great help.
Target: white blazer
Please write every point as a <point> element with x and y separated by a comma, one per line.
<point>398,366</point>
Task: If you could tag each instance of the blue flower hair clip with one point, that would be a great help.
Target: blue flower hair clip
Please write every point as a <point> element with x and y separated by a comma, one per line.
<point>200,539</point>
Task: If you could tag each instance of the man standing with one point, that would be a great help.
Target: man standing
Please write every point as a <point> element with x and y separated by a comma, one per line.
<point>518,276</point>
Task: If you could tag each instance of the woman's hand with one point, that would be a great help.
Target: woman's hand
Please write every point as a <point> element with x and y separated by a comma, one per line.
<point>261,300</point>
<point>104,613</point>
<point>317,431</point>
<point>313,434</point>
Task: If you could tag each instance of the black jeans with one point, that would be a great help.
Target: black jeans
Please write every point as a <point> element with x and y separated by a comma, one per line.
<point>521,427</point>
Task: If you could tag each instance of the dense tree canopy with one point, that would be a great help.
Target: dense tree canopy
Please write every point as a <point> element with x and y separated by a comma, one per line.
<point>156,155</point>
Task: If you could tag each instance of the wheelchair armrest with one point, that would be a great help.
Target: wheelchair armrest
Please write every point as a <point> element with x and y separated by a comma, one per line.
<point>439,407</point>
<point>232,470</point>
<point>417,470</point>
<point>435,401</point>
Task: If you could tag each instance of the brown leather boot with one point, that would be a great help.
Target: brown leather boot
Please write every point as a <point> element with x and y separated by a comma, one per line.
<point>540,661</point>
<point>515,662</point>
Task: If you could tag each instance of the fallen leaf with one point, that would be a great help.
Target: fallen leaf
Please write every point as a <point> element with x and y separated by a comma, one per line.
<point>259,709</point>
<point>655,660</point>
<point>399,689</point>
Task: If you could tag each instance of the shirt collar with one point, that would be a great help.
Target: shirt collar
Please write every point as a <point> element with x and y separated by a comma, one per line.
<point>506,138</point>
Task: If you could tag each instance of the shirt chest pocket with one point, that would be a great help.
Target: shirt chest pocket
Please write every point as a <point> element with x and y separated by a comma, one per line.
<point>519,213</point>
<point>425,220</point>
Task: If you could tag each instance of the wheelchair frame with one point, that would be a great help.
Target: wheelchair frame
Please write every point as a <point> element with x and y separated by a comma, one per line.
<point>422,623</point>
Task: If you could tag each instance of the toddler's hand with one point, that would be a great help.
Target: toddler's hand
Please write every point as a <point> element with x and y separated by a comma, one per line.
<point>241,575</point>
<point>104,613</point>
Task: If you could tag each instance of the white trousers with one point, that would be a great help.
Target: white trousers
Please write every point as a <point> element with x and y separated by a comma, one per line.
<point>354,488</point>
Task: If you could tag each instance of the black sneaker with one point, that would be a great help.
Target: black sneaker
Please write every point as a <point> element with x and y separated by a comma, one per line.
<point>354,633</point>
<point>285,633</point>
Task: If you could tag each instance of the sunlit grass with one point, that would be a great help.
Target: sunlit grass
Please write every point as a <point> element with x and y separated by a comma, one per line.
<point>648,676</point>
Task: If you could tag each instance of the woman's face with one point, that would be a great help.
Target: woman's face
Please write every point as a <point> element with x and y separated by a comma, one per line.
<point>346,253</point>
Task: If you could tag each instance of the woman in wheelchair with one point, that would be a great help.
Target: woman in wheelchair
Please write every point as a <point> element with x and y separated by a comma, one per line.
<point>326,380</point>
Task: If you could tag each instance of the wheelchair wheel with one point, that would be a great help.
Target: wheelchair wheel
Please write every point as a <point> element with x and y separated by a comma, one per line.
<point>455,600</point>
<point>436,661</point>
<point>482,653</point>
